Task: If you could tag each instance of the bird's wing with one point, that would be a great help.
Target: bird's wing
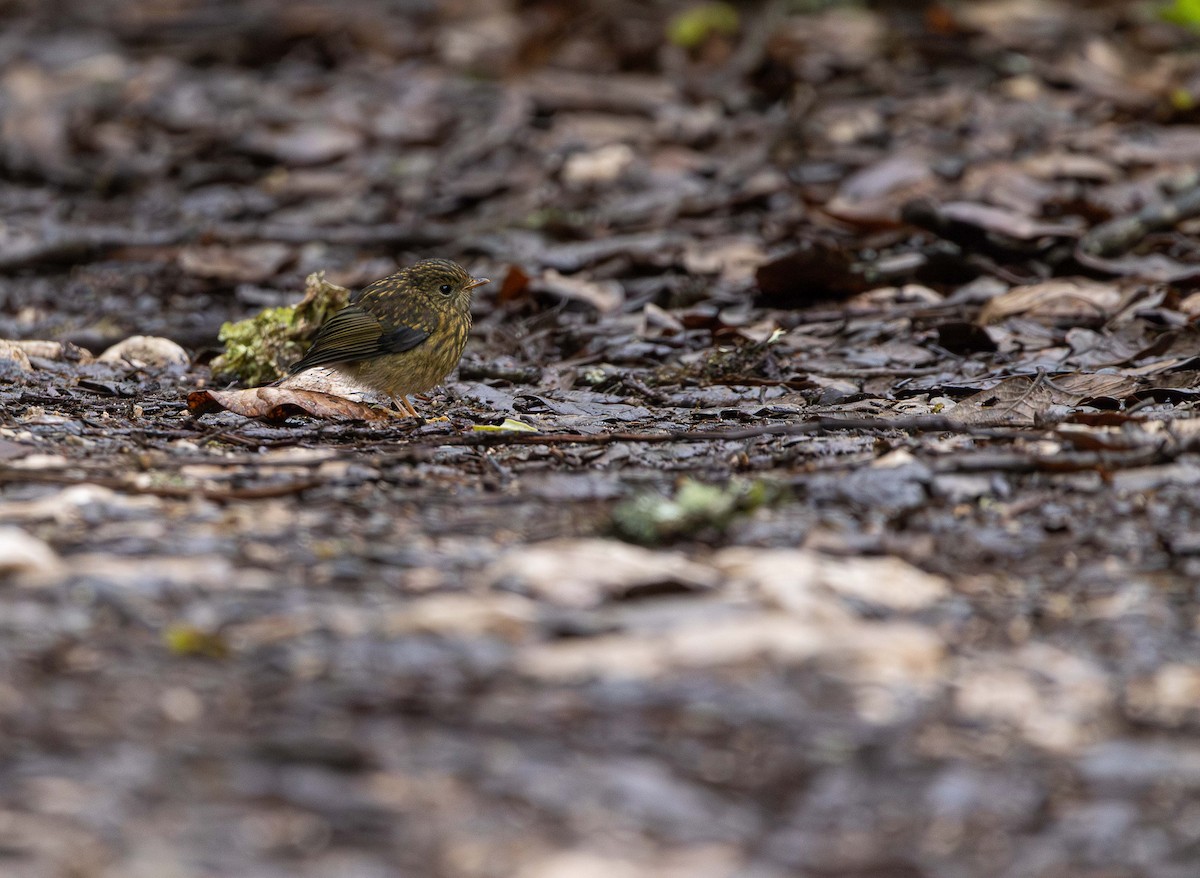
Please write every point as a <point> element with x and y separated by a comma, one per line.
<point>353,334</point>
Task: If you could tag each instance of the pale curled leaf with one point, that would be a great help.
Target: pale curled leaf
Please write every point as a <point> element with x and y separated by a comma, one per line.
<point>510,424</point>
<point>605,296</point>
<point>16,359</point>
<point>799,580</point>
<point>1056,300</point>
<point>249,263</point>
<point>57,351</point>
<point>23,553</point>
<point>591,572</point>
<point>146,350</point>
<point>280,403</point>
<point>1024,399</point>
<point>876,194</point>
<point>1149,266</point>
<point>1010,223</point>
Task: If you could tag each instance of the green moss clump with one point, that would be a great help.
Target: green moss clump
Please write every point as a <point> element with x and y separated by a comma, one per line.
<point>696,510</point>
<point>260,349</point>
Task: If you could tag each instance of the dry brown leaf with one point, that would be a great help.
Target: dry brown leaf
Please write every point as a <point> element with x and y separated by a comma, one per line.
<point>310,144</point>
<point>1007,222</point>
<point>1071,166</point>
<point>734,259</point>
<point>23,553</point>
<point>47,350</point>
<point>1156,267</point>
<point>1174,145</point>
<point>1023,399</point>
<point>514,285</point>
<point>598,166</point>
<point>251,263</point>
<point>1054,301</point>
<point>589,572</point>
<point>797,580</point>
<point>819,270</point>
<point>605,296</point>
<point>875,195</point>
<point>280,403</point>
<point>1014,23</point>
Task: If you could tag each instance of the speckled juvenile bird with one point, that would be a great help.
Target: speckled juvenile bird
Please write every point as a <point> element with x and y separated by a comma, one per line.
<point>402,334</point>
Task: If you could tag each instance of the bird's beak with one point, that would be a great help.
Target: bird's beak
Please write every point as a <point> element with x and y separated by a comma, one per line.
<point>477,282</point>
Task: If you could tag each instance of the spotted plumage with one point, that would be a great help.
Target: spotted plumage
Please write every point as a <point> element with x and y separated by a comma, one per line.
<point>400,335</point>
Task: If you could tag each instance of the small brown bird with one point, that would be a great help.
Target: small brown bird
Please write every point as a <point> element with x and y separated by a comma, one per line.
<point>402,334</point>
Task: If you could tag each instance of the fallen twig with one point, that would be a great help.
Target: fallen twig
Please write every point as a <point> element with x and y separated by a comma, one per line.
<point>1065,462</point>
<point>69,244</point>
<point>918,424</point>
<point>1120,234</point>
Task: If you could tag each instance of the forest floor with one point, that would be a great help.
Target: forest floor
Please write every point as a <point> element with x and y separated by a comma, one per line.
<point>857,533</point>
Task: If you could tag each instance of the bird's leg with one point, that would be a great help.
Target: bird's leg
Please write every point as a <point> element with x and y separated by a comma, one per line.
<point>405,410</point>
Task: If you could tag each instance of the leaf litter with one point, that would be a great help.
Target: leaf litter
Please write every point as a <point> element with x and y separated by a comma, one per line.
<point>872,327</point>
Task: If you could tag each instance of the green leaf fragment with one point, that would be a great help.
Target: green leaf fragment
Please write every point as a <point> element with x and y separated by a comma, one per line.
<point>696,507</point>
<point>692,27</point>
<point>510,424</point>
<point>1182,12</point>
<point>188,640</point>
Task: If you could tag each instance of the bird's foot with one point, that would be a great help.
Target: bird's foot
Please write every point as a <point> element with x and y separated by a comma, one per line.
<point>405,411</point>
<point>401,415</point>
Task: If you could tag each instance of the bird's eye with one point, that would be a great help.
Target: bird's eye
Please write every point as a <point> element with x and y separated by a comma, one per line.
<point>445,289</point>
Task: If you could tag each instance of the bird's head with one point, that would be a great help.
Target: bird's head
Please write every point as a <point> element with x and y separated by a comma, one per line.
<point>443,281</point>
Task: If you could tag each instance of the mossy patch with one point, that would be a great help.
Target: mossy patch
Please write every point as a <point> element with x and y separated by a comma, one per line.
<point>260,349</point>
<point>697,510</point>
